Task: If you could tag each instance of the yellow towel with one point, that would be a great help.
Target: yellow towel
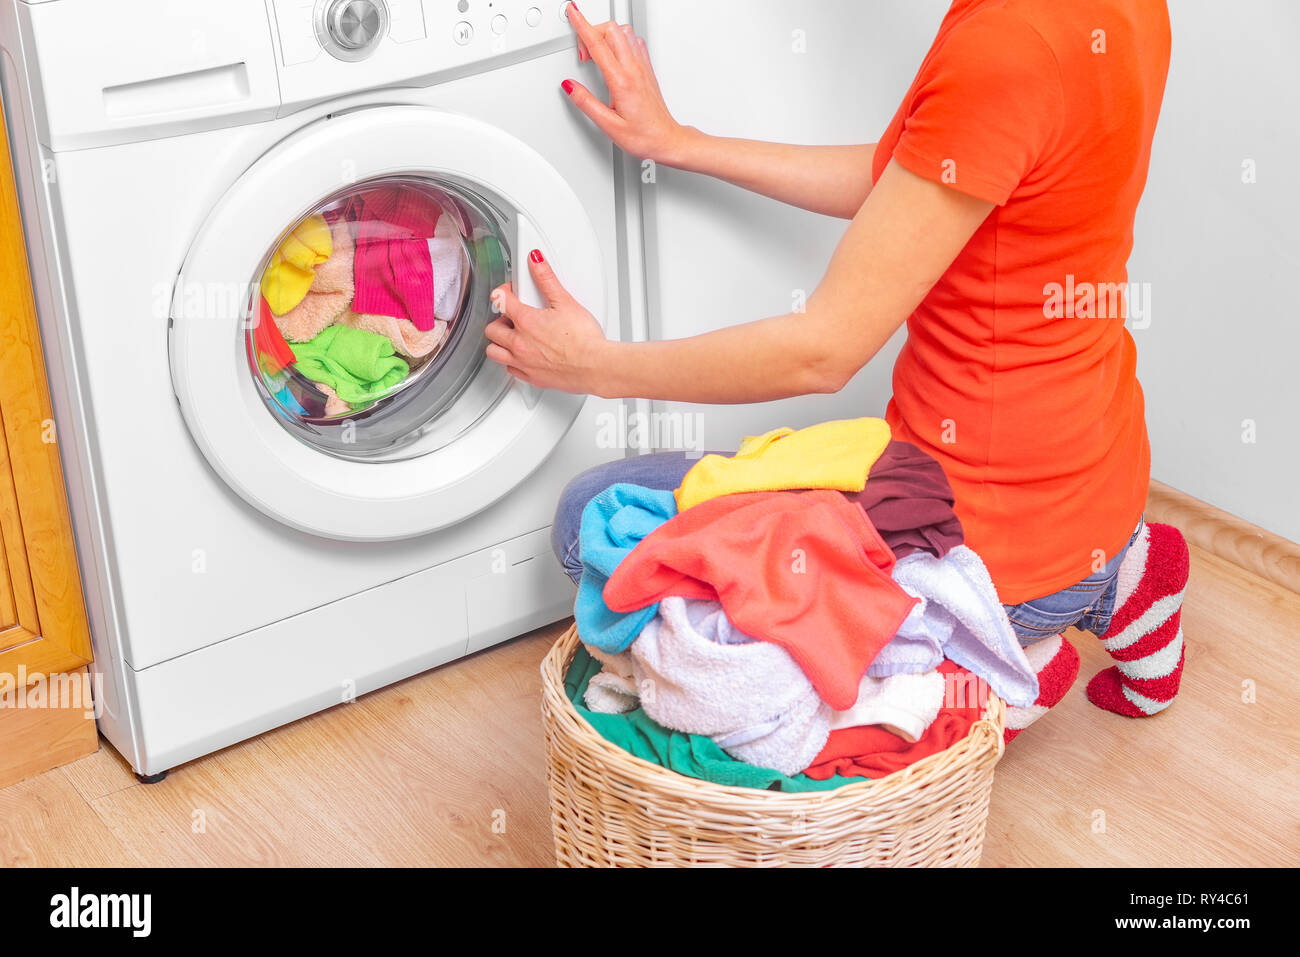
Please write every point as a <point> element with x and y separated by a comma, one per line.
<point>293,265</point>
<point>832,455</point>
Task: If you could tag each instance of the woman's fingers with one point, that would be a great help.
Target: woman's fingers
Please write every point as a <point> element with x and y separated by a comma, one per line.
<point>617,36</point>
<point>594,40</point>
<point>509,306</point>
<point>628,54</point>
<point>547,282</point>
<point>555,347</point>
<point>635,117</point>
<point>637,44</point>
<point>501,333</point>
<point>608,121</point>
<point>505,357</point>
<point>514,310</point>
<point>569,8</point>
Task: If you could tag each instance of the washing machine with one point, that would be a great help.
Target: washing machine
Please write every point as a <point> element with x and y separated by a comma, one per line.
<point>268,529</point>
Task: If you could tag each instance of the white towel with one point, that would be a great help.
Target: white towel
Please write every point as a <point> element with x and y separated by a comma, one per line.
<point>697,674</point>
<point>961,619</point>
<point>613,691</point>
<point>904,704</point>
<point>448,258</point>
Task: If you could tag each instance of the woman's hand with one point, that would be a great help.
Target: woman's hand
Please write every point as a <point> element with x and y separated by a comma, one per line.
<point>556,347</point>
<point>637,118</point>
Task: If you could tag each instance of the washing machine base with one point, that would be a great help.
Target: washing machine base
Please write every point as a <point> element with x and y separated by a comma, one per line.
<point>198,703</point>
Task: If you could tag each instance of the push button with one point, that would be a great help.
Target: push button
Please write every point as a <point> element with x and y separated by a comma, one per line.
<point>463,33</point>
<point>500,24</point>
<point>533,16</point>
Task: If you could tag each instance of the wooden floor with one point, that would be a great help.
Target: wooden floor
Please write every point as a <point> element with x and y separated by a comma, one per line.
<point>447,769</point>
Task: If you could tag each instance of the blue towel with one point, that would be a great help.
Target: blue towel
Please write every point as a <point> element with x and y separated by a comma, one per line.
<point>613,523</point>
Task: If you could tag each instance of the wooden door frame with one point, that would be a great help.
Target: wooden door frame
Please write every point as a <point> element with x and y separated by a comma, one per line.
<point>53,635</point>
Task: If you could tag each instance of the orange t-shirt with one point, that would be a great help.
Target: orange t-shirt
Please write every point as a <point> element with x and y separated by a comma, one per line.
<point>1018,373</point>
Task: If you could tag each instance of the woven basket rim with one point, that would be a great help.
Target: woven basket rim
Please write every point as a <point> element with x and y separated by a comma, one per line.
<point>985,734</point>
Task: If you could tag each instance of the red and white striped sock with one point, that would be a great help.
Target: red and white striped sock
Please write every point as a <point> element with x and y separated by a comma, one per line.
<point>1145,636</point>
<point>1056,662</point>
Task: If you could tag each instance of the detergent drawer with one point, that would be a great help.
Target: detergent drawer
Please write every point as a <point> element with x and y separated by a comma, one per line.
<point>113,73</point>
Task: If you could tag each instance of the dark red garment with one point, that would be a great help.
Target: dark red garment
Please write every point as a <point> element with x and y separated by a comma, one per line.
<point>393,270</point>
<point>803,570</point>
<point>909,501</point>
<point>270,343</point>
<point>873,752</point>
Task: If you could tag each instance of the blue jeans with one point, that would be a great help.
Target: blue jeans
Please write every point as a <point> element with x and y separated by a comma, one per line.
<point>1088,604</point>
<point>661,471</point>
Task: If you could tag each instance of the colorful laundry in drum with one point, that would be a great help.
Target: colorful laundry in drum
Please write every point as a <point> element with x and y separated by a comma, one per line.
<point>356,299</point>
<point>799,615</point>
<point>359,366</point>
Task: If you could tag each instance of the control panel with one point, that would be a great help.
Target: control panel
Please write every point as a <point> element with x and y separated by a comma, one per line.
<point>333,47</point>
<point>182,66</point>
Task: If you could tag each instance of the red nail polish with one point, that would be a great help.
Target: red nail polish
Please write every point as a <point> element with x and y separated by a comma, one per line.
<point>536,256</point>
<point>567,86</point>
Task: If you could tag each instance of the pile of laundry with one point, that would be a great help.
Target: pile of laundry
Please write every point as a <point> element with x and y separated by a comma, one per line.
<point>797,616</point>
<point>357,299</point>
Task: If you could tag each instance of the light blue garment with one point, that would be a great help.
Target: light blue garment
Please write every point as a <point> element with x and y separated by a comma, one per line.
<point>960,619</point>
<point>613,523</point>
<point>917,646</point>
<point>288,402</point>
<point>662,471</point>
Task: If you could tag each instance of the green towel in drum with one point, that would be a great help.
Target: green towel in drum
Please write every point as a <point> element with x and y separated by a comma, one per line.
<point>693,755</point>
<point>358,365</point>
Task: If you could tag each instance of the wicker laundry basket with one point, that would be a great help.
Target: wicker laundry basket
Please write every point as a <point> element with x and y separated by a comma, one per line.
<point>609,808</point>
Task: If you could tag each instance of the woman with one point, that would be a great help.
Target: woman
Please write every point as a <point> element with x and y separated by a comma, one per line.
<point>995,216</point>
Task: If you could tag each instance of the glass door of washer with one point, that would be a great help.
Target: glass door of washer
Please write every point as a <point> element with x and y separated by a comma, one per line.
<point>365,326</point>
<point>345,390</point>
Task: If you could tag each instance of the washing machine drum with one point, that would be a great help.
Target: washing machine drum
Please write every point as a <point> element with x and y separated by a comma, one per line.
<point>367,326</point>
<point>327,339</point>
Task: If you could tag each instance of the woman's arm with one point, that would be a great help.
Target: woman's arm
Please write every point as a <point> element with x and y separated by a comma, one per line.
<point>901,242</point>
<point>832,180</point>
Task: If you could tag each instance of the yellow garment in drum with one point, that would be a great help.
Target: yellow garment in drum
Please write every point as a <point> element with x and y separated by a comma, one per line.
<point>831,455</point>
<point>293,266</point>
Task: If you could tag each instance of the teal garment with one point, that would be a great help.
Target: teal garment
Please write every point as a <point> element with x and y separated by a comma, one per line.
<point>288,402</point>
<point>359,366</point>
<point>690,754</point>
<point>614,523</point>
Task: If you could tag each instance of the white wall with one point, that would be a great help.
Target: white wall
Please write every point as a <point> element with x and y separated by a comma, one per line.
<point>1221,256</point>
<point>1223,261</point>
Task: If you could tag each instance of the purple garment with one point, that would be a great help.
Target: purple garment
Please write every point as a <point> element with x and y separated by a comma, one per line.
<point>909,501</point>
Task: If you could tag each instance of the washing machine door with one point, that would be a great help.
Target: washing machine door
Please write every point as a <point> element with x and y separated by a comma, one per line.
<point>327,333</point>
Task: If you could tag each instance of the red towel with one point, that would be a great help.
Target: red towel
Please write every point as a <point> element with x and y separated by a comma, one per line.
<point>873,752</point>
<point>276,353</point>
<point>804,570</point>
<point>393,271</point>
